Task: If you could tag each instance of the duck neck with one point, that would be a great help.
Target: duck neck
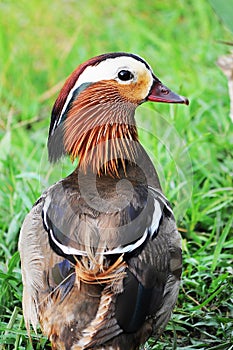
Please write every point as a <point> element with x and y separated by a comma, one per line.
<point>108,149</point>
<point>101,131</point>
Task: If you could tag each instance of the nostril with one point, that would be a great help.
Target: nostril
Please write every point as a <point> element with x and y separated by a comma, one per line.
<point>164,90</point>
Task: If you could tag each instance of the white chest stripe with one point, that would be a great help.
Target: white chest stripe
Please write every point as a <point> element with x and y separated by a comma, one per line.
<point>162,198</point>
<point>66,249</point>
<point>155,218</point>
<point>130,247</point>
<point>149,232</point>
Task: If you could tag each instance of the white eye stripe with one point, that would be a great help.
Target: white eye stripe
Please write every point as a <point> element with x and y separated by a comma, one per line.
<point>109,69</point>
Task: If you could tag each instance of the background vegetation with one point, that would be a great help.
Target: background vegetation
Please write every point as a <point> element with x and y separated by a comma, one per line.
<point>41,42</point>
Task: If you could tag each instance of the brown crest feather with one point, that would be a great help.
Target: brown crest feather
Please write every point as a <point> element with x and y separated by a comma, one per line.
<point>100,129</point>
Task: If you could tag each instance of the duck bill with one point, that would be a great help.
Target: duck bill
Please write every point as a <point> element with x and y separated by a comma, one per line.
<point>160,93</point>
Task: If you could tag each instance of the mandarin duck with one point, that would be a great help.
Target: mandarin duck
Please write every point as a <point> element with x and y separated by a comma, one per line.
<point>100,251</point>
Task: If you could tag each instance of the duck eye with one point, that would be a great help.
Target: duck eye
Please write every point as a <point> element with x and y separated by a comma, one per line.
<point>125,75</point>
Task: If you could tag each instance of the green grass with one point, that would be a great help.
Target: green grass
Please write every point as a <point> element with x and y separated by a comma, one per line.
<point>40,44</point>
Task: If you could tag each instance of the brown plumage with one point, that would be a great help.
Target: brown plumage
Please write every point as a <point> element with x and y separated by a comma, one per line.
<point>100,252</point>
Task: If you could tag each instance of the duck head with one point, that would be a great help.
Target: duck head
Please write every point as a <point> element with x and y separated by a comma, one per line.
<point>93,116</point>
